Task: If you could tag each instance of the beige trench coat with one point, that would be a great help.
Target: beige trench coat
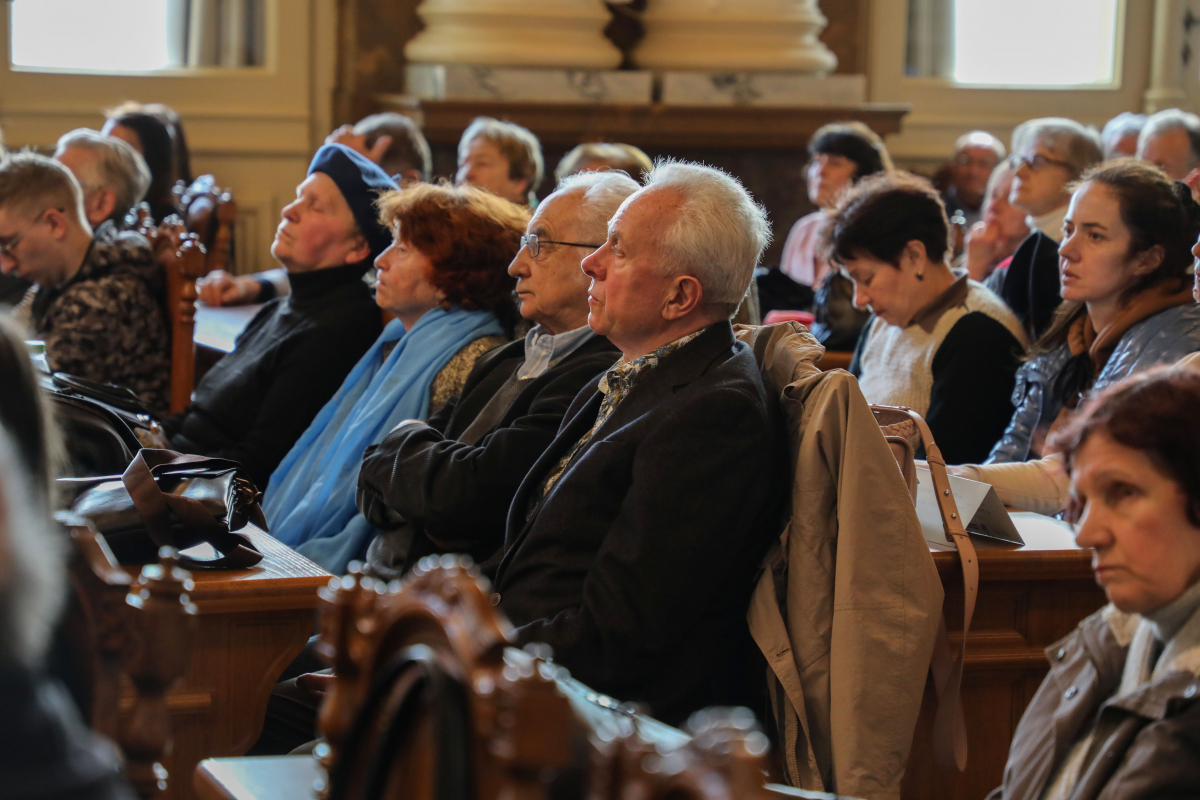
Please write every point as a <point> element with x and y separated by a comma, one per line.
<point>850,649</point>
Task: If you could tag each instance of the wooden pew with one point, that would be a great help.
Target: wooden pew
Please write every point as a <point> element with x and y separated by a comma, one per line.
<point>521,719</point>
<point>183,260</point>
<point>210,212</point>
<point>1029,597</point>
<point>131,636</point>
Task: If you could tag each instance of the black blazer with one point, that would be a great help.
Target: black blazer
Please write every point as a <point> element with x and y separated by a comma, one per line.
<point>456,495</point>
<point>638,566</point>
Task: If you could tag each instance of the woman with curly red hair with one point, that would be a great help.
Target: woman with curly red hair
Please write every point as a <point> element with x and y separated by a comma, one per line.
<point>445,279</point>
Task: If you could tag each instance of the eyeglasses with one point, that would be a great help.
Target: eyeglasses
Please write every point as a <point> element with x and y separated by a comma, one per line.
<point>535,245</point>
<point>7,244</point>
<point>1038,162</point>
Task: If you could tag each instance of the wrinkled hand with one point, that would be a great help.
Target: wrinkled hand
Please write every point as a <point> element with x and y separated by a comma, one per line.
<point>357,142</point>
<point>315,683</point>
<point>219,288</point>
<point>983,247</point>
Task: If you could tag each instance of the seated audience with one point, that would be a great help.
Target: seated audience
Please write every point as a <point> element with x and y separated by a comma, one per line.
<point>503,158</point>
<point>976,155</point>
<point>1127,295</point>
<point>940,344</point>
<point>393,141</point>
<point>97,303</point>
<point>255,402</point>
<point>12,287</point>
<point>1049,154</point>
<point>1120,135</point>
<point>633,542</point>
<point>148,135</point>
<point>993,240</point>
<point>1171,142</point>
<point>597,156</point>
<point>444,279</point>
<point>445,486</point>
<point>1116,717</point>
<point>841,153</point>
<point>113,176</point>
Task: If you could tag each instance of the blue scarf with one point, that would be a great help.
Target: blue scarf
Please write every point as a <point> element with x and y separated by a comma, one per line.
<point>310,500</point>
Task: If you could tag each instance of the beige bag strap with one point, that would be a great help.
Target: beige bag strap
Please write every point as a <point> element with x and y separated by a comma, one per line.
<point>949,727</point>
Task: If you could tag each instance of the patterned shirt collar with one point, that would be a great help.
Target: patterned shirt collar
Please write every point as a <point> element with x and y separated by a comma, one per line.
<point>544,350</point>
<point>622,376</point>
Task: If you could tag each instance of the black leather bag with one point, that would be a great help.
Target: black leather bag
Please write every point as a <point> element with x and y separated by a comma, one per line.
<point>166,498</point>
<point>103,424</point>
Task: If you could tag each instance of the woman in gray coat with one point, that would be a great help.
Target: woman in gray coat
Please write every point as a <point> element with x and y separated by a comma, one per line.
<point>1118,716</point>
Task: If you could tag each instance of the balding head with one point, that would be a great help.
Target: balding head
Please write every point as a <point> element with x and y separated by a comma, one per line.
<point>1171,141</point>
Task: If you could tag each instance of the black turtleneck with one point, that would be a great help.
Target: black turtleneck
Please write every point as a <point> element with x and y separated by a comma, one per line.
<point>255,402</point>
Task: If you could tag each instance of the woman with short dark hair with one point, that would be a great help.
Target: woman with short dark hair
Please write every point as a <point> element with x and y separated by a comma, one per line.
<point>445,279</point>
<point>1118,717</point>
<point>840,154</point>
<point>939,343</point>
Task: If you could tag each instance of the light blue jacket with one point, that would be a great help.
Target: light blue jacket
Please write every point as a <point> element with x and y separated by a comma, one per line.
<point>1163,338</point>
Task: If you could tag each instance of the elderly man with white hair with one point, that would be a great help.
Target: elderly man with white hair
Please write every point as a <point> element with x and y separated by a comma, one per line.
<point>633,542</point>
<point>1171,141</point>
<point>114,177</point>
<point>445,485</point>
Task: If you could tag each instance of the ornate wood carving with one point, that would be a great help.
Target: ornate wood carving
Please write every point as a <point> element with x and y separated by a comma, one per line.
<point>136,629</point>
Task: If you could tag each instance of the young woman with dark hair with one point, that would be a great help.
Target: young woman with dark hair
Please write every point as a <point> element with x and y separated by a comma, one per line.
<point>940,344</point>
<point>1117,716</point>
<point>147,134</point>
<point>1128,306</point>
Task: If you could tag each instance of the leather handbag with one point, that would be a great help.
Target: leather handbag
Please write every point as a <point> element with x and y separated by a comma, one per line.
<point>103,424</point>
<point>170,499</point>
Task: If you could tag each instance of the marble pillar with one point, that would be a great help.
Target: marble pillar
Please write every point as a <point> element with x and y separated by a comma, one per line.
<point>1166,59</point>
<point>734,36</point>
<point>514,33</point>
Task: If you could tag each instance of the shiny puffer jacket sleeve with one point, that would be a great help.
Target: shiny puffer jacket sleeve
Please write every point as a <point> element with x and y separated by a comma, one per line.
<point>1035,406</point>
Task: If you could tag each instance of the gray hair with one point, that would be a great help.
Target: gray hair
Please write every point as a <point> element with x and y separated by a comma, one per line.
<point>117,166</point>
<point>719,233</point>
<point>603,194</point>
<point>615,155</point>
<point>1169,120</point>
<point>32,566</point>
<point>980,139</point>
<point>1076,144</point>
<point>1119,127</point>
<point>518,145</point>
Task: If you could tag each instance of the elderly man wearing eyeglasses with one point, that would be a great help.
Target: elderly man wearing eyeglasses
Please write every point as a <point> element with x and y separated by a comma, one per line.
<point>1048,154</point>
<point>445,485</point>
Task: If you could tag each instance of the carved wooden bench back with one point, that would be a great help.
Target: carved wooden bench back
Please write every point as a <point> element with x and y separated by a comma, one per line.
<point>525,717</point>
<point>129,632</point>
<point>210,212</point>
<point>182,257</point>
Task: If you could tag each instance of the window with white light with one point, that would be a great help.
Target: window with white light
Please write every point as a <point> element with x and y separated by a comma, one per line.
<point>1033,43</point>
<point>135,35</point>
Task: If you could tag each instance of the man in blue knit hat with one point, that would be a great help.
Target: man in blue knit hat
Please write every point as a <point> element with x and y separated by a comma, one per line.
<point>255,402</point>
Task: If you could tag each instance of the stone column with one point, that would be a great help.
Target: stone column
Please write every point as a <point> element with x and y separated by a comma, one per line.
<point>734,36</point>
<point>1166,59</point>
<point>514,33</point>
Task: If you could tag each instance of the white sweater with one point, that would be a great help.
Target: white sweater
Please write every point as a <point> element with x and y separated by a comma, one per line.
<point>897,363</point>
